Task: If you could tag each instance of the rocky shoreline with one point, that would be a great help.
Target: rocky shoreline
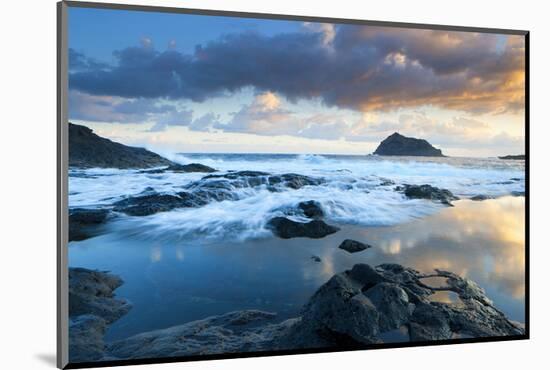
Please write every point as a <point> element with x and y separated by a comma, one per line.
<point>304,219</point>
<point>352,309</point>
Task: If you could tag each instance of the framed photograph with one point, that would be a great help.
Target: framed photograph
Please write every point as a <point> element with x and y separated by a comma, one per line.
<point>239,184</point>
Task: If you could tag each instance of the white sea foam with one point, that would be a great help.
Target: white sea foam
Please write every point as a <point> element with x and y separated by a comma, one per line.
<point>355,191</point>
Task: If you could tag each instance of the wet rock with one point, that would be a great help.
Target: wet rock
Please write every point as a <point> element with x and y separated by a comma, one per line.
<point>91,292</point>
<point>285,228</point>
<point>294,181</point>
<point>353,246</point>
<point>240,331</point>
<point>144,205</point>
<point>392,304</point>
<point>176,167</point>
<point>238,174</point>
<point>481,197</point>
<point>92,307</point>
<point>354,308</point>
<point>513,157</point>
<point>359,305</point>
<point>191,167</point>
<point>426,191</point>
<point>311,209</point>
<point>84,223</point>
<point>86,338</point>
<point>316,258</point>
<point>386,182</point>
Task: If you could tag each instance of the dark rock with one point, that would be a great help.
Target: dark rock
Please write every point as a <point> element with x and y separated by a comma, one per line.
<point>359,305</point>
<point>238,174</point>
<point>353,308</point>
<point>234,332</point>
<point>366,275</point>
<point>386,182</point>
<point>285,228</point>
<point>257,178</point>
<point>144,205</point>
<point>311,209</point>
<point>294,181</point>
<point>86,338</point>
<point>87,149</point>
<point>91,292</point>
<point>84,223</point>
<point>191,167</point>
<point>353,246</point>
<point>340,308</point>
<point>392,304</point>
<point>518,193</point>
<point>428,192</point>
<point>481,197</point>
<point>92,307</point>
<point>316,258</point>
<point>176,167</point>
<point>513,157</point>
<point>397,144</point>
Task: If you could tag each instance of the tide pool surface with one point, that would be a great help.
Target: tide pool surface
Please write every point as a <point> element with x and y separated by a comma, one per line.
<point>179,278</point>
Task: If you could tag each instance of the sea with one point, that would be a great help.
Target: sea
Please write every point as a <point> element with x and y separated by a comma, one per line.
<point>191,263</point>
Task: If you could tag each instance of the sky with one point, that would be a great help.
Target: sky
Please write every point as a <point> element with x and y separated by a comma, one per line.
<point>194,83</point>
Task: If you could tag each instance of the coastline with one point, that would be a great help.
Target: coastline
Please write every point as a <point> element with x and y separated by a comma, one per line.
<point>450,240</point>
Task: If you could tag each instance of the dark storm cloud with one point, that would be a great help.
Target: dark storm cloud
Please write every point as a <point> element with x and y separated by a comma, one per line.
<point>358,67</point>
<point>80,62</point>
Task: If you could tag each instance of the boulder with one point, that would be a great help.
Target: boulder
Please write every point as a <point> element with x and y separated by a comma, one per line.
<point>429,192</point>
<point>357,306</point>
<point>311,209</point>
<point>286,228</point>
<point>353,246</point>
<point>84,223</point>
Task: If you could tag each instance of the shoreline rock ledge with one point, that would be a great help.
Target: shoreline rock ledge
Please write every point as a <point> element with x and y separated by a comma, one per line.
<point>356,307</point>
<point>397,144</point>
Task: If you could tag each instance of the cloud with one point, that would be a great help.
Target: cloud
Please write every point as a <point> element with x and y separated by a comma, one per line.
<point>264,116</point>
<point>123,110</point>
<point>80,62</point>
<point>363,68</point>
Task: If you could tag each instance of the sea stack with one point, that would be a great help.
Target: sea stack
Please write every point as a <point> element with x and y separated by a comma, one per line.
<point>397,144</point>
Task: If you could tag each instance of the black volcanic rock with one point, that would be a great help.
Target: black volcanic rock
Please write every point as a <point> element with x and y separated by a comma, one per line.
<point>191,167</point>
<point>84,223</point>
<point>353,246</point>
<point>87,150</point>
<point>397,144</point>
<point>515,157</point>
<point>92,307</point>
<point>353,308</point>
<point>311,209</point>
<point>286,229</point>
<point>429,192</point>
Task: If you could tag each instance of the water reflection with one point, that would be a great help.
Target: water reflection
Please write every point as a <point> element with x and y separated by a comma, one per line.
<point>480,240</point>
